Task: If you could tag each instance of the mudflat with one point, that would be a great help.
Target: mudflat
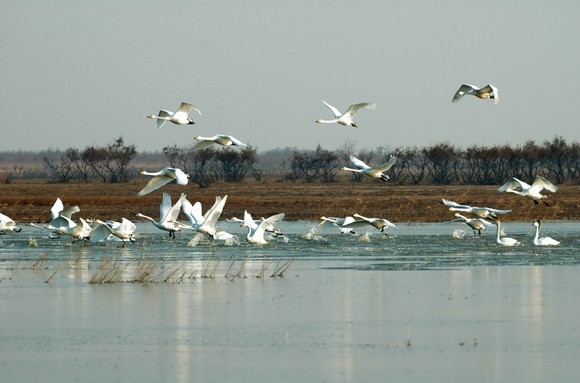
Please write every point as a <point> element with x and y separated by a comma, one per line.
<point>30,200</point>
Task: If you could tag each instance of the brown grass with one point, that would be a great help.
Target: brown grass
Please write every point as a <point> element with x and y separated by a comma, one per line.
<point>30,200</point>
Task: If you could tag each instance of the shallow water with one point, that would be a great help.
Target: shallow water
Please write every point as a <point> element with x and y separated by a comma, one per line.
<point>417,306</point>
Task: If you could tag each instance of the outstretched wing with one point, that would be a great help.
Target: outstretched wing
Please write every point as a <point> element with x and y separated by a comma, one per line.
<point>335,111</point>
<point>353,109</point>
<point>186,108</point>
<point>235,141</point>
<point>463,89</point>
<point>202,145</point>
<point>162,113</point>
<point>387,165</point>
<point>513,183</point>
<point>359,164</point>
<point>155,183</point>
<point>542,183</point>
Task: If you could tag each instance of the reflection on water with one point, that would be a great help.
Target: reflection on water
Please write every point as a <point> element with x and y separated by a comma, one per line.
<point>422,305</point>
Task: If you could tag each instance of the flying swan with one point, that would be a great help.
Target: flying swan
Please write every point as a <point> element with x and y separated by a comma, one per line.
<point>532,191</point>
<point>345,119</point>
<point>7,224</point>
<point>375,172</point>
<point>163,177</point>
<point>480,212</point>
<point>181,117</point>
<point>220,139</point>
<point>488,91</point>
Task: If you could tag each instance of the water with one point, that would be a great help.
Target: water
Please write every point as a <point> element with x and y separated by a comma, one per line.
<point>421,305</point>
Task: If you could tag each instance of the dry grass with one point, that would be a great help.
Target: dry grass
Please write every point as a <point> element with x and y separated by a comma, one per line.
<point>30,200</point>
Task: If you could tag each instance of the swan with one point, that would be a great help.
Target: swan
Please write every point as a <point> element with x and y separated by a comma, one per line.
<point>220,139</point>
<point>476,224</point>
<point>378,223</point>
<point>532,191</point>
<point>123,230</point>
<point>505,241</point>
<point>544,241</point>
<point>255,223</point>
<point>80,231</point>
<point>7,224</point>
<point>346,224</point>
<point>163,177</point>
<point>374,172</point>
<point>256,236</point>
<point>204,223</point>
<point>181,117</point>
<point>345,118</point>
<point>168,216</point>
<point>480,212</point>
<point>488,91</point>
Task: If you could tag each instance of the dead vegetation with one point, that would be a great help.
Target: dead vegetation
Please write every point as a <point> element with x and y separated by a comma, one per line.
<point>30,200</point>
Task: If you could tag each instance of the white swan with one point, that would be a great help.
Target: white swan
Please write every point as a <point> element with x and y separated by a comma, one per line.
<point>79,231</point>
<point>532,191</point>
<point>476,224</point>
<point>374,172</point>
<point>168,216</point>
<point>220,139</point>
<point>181,117</point>
<point>378,223</point>
<point>488,91</point>
<point>345,118</point>
<point>205,224</point>
<point>504,241</point>
<point>346,224</point>
<point>256,236</point>
<point>480,212</point>
<point>123,230</point>
<point>7,224</point>
<point>255,223</point>
<point>543,241</point>
<point>163,177</point>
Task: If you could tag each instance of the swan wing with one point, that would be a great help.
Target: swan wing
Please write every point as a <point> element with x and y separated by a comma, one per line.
<point>359,164</point>
<point>542,183</point>
<point>464,89</point>
<point>202,145</point>
<point>185,108</point>
<point>161,121</point>
<point>155,183</point>
<point>173,212</point>
<point>214,214</point>
<point>165,206</point>
<point>235,141</point>
<point>127,226</point>
<point>181,177</point>
<point>496,211</point>
<point>56,208</point>
<point>513,183</point>
<point>387,165</point>
<point>69,211</point>
<point>335,111</point>
<point>492,90</point>
<point>353,109</point>
<point>267,224</point>
<point>5,220</point>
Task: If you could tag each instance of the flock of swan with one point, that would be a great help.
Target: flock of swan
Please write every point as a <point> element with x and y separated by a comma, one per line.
<point>260,231</point>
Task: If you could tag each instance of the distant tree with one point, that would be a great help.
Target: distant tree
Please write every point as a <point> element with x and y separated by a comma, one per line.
<point>235,164</point>
<point>110,163</point>
<point>63,169</point>
<point>443,159</point>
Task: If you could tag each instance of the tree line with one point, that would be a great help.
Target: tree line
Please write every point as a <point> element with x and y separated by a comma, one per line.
<point>442,163</point>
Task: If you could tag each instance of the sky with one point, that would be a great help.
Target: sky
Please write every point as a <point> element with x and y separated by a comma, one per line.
<point>80,73</point>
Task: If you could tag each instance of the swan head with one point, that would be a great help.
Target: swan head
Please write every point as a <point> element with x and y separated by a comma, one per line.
<point>317,121</point>
<point>343,168</point>
<point>197,138</point>
<point>151,116</point>
<point>142,172</point>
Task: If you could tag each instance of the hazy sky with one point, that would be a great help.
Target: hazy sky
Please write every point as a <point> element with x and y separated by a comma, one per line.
<point>78,73</point>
